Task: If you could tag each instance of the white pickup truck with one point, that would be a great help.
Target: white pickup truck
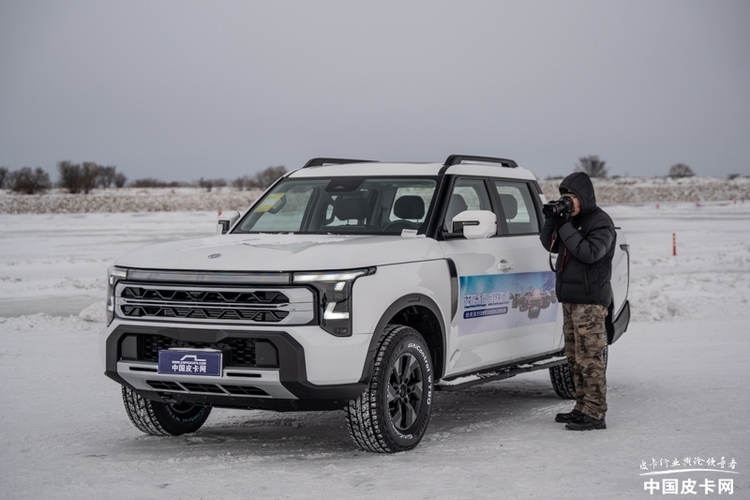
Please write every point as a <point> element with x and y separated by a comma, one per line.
<point>349,284</point>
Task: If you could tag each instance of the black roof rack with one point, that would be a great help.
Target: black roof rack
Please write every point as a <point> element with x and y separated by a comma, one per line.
<point>457,159</point>
<point>319,162</point>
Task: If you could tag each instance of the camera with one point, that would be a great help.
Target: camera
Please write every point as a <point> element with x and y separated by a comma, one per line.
<point>562,206</point>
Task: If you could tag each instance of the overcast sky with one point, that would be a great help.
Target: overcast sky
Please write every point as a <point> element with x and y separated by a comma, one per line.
<point>180,90</point>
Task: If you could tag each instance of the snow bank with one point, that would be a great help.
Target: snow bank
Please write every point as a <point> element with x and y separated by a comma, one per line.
<point>608,191</point>
<point>660,190</point>
<point>128,200</point>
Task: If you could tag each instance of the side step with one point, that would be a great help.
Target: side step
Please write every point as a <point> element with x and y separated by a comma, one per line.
<point>466,381</point>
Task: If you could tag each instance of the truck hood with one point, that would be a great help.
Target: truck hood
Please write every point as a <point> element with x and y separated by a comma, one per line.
<point>280,252</point>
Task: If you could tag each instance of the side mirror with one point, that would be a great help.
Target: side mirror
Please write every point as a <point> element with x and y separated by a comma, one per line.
<point>226,221</point>
<point>475,224</point>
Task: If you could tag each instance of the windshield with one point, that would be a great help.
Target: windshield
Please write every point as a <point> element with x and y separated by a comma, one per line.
<point>342,205</point>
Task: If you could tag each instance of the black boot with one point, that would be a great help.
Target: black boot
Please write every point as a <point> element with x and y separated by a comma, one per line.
<point>567,417</point>
<point>586,423</point>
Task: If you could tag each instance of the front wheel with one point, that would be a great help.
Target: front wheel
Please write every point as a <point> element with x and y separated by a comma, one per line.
<point>393,412</point>
<point>160,419</point>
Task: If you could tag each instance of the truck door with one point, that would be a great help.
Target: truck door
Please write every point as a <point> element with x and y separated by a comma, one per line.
<point>479,333</point>
<point>536,314</point>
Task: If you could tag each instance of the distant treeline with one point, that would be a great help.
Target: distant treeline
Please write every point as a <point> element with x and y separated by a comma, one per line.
<point>83,177</point>
<point>596,167</point>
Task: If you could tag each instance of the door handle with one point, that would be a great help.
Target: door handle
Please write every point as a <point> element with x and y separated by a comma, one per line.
<point>505,266</point>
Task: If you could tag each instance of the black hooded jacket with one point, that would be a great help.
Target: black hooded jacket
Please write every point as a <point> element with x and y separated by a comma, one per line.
<point>585,246</point>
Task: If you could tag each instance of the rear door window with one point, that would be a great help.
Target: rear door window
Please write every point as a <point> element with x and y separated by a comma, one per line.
<point>517,206</point>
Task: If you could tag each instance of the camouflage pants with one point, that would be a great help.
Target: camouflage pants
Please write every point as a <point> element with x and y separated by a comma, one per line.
<point>585,340</point>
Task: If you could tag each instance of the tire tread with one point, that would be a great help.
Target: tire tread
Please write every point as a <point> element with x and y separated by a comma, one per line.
<point>363,419</point>
<point>152,417</point>
<point>141,413</point>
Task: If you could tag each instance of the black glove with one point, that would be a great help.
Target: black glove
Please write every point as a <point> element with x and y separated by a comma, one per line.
<point>560,220</point>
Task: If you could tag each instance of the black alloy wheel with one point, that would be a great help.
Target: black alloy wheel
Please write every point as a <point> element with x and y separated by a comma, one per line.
<point>405,393</point>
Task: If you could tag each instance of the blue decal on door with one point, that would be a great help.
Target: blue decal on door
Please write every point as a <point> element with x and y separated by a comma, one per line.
<point>498,301</point>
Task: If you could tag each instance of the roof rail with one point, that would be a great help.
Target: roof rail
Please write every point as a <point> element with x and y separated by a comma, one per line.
<point>319,162</point>
<point>457,159</point>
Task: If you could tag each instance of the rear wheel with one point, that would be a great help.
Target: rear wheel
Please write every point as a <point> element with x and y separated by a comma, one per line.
<point>160,419</point>
<point>562,378</point>
<point>393,412</point>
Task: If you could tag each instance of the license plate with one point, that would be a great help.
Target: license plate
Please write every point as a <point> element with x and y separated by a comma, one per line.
<point>190,362</point>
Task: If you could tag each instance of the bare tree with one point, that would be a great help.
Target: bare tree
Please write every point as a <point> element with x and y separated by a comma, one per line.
<point>680,170</point>
<point>206,184</point>
<point>70,176</point>
<point>107,175</point>
<point>29,181</point>
<point>120,179</point>
<point>266,177</point>
<point>592,165</point>
<point>151,182</point>
<point>240,182</point>
<point>89,176</point>
<point>209,184</point>
<point>78,178</point>
<point>3,176</point>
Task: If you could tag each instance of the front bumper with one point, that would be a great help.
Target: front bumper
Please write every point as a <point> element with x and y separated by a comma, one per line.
<point>280,379</point>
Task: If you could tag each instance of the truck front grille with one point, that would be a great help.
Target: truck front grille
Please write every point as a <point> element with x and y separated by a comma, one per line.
<point>264,297</point>
<point>172,312</point>
<point>228,304</point>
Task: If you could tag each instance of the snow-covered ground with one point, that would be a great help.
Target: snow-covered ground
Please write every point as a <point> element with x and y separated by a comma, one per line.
<point>677,386</point>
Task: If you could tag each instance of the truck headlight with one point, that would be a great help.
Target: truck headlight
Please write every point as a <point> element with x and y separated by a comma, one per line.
<point>335,303</point>
<point>114,274</point>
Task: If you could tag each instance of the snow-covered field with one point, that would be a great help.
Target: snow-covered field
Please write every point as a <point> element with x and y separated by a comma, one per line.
<point>677,385</point>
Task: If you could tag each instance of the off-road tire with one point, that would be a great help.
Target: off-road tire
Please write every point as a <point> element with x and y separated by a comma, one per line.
<point>160,419</point>
<point>392,414</point>
<point>562,378</point>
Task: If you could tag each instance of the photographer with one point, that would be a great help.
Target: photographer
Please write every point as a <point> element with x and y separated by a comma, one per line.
<point>583,236</point>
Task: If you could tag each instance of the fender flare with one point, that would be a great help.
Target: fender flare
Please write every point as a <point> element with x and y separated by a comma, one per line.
<point>404,302</point>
